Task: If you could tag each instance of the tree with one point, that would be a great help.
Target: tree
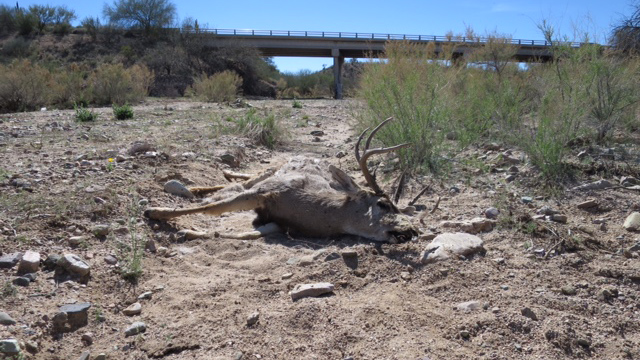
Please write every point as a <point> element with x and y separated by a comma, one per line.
<point>625,36</point>
<point>44,15</point>
<point>148,15</point>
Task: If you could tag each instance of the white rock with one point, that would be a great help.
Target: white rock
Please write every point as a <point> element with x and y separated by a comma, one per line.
<point>310,290</point>
<point>133,309</point>
<point>632,223</point>
<point>29,263</point>
<point>74,264</point>
<point>175,187</point>
<point>448,244</point>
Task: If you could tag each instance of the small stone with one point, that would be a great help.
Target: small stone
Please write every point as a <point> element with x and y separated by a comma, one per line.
<point>526,199</point>
<point>100,230</point>
<point>150,245</point>
<point>85,355</point>
<point>589,204</point>
<point>133,309</point>
<point>253,318</point>
<point>405,275</point>
<point>510,178</point>
<point>87,338</point>
<point>569,290</point>
<point>135,328</point>
<point>175,187</point>
<point>110,259</point>
<point>469,306</point>
<point>32,346</point>
<point>77,314</point>
<point>504,287</point>
<point>30,262</point>
<point>492,213</point>
<point>559,218</point>
<point>632,223</point>
<point>76,241</point>
<point>7,261</point>
<point>349,254</point>
<point>146,295</point>
<point>310,290</point>
<point>287,276</point>
<point>465,334</point>
<point>21,281</point>
<point>597,185</point>
<point>448,244</point>
<point>101,356</point>
<point>9,346</point>
<point>527,312</point>
<point>139,147</point>
<point>583,342</point>
<point>5,319</point>
<point>74,264</point>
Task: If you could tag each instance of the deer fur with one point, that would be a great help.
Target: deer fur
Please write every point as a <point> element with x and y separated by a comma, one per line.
<point>309,197</point>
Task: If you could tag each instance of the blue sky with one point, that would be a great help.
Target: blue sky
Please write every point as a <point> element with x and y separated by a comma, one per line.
<point>515,17</point>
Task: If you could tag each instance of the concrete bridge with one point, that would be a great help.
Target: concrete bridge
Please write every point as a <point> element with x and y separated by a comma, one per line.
<point>341,45</point>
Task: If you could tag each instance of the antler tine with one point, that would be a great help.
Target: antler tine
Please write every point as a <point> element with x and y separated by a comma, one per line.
<point>365,170</point>
<point>366,146</point>
<point>358,144</point>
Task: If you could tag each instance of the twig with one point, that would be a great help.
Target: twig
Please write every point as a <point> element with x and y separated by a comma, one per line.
<point>435,207</point>
<point>399,187</point>
<point>419,194</point>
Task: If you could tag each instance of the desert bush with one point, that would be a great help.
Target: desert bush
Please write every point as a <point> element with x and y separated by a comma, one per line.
<point>84,115</point>
<point>69,86</point>
<point>8,19</point>
<point>218,87</point>
<point>264,130</point>
<point>23,86</point>
<point>17,47</point>
<point>123,112</point>
<point>115,84</point>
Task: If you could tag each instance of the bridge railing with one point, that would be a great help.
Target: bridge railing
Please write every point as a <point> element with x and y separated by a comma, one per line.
<point>372,36</point>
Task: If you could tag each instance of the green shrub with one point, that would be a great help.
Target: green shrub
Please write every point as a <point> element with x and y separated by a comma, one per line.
<point>84,115</point>
<point>115,84</point>
<point>297,104</point>
<point>69,86</point>
<point>23,86</point>
<point>219,87</point>
<point>263,130</point>
<point>123,112</point>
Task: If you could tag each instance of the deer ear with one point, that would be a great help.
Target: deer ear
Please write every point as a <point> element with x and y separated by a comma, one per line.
<point>343,180</point>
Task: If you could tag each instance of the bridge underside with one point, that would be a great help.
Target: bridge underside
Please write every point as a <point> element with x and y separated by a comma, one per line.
<point>341,48</point>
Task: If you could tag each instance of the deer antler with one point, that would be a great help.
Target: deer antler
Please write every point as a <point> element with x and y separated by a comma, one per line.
<point>362,160</point>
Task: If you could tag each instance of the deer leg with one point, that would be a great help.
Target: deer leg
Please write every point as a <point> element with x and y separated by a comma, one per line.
<point>247,200</point>
<point>264,230</point>
<point>204,190</point>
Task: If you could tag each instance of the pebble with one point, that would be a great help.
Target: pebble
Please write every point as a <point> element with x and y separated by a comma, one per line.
<point>569,290</point>
<point>30,262</point>
<point>588,204</point>
<point>5,319</point>
<point>448,244</point>
<point>310,290</point>
<point>87,338</point>
<point>175,187</point>
<point>7,261</point>
<point>253,318</point>
<point>133,309</point>
<point>21,281</point>
<point>145,295</point>
<point>527,312</point>
<point>492,213</point>
<point>101,356</point>
<point>135,328</point>
<point>632,222</point>
<point>9,346</point>
<point>100,230</point>
<point>468,306</point>
<point>110,259</point>
<point>77,314</point>
<point>74,264</point>
<point>287,276</point>
<point>85,355</point>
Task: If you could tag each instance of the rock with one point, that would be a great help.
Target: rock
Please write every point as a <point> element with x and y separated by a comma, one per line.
<point>150,246</point>
<point>310,290</point>
<point>87,338</point>
<point>85,355</point>
<point>186,234</point>
<point>526,199</point>
<point>100,230</point>
<point>559,218</point>
<point>9,346</point>
<point>77,314</point>
<point>175,187</point>
<point>133,309</point>
<point>597,185</point>
<point>632,223</point>
<point>253,318</point>
<point>527,312</point>
<point>30,262</point>
<point>634,248</point>
<point>135,328</point>
<point>510,178</point>
<point>588,204</point>
<point>101,356</point>
<point>146,295</point>
<point>469,306</point>
<point>110,259</point>
<point>491,213</point>
<point>7,261</point>
<point>32,346</point>
<point>569,290</point>
<point>629,181</point>
<point>287,276</point>
<point>76,241</point>
<point>140,147</point>
<point>546,210</point>
<point>447,244</point>
<point>51,261</point>
<point>5,319</point>
<point>21,281</point>
<point>73,264</point>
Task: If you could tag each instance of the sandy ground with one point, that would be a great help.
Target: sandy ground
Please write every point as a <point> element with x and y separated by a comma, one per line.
<point>579,279</point>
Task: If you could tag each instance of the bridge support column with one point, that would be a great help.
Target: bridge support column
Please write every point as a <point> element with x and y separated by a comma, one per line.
<point>338,61</point>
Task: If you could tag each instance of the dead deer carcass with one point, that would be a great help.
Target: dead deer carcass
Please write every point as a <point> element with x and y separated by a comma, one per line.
<point>312,198</point>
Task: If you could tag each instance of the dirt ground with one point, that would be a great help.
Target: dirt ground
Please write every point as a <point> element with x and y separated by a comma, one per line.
<point>543,289</point>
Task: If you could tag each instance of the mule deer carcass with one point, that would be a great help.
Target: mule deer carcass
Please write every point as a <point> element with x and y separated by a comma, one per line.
<point>309,197</point>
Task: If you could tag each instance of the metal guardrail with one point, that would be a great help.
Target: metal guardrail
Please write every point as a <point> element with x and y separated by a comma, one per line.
<point>371,36</point>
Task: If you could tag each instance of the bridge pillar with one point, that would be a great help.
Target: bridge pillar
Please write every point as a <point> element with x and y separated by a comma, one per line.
<point>338,61</point>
